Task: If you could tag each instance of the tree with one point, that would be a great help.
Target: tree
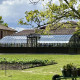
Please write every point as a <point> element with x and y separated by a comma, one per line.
<point>5,24</point>
<point>54,13</point>
<point>33,17</point>
<point>65,10</point>
<point>2,22</point>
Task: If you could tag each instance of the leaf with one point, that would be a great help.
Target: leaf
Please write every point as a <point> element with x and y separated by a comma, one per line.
<point>5,24</point>
<point>0,17</point>
<point>61,1</point>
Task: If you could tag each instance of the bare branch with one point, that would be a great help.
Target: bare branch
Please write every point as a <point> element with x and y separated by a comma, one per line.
<point>34,2</point>
<point>73,9</point>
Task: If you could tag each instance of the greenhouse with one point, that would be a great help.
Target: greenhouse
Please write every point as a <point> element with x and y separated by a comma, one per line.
<point>44,40</point>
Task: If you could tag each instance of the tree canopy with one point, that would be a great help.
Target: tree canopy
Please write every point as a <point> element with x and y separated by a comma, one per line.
<point>54,13</point>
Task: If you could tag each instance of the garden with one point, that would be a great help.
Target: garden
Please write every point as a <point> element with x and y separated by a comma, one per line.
<point>43,72</point>
<point>23,63</point>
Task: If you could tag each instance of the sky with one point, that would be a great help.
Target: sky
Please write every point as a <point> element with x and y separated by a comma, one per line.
<point>13,10</point>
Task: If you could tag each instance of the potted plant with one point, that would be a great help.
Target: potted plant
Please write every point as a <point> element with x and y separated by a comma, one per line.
<point>68,70</point>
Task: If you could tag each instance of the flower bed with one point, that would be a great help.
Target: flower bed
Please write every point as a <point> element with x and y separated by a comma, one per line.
<point>6,63</point>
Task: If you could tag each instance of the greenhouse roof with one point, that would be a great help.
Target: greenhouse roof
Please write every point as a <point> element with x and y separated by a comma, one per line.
<point>55,38</point>
<point>43,39</point>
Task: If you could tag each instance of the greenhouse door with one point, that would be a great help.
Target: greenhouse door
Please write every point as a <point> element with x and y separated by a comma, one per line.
<point>32,42</point>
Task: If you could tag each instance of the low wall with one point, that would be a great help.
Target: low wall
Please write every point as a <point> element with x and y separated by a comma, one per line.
<point>63,50</point>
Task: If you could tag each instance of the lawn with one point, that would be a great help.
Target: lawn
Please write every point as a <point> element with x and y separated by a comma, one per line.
<point>39,73</point>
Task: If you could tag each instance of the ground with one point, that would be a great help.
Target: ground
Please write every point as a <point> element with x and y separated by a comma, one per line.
<point>39,73</point>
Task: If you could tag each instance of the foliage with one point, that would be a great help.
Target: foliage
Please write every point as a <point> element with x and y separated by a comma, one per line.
<point>26,61</point>
<point>2,22</point>
<point>33,17</point>
<point>5,24</point>
<point>54,13</point>
<point>70,70</point>
<point>69,67</point>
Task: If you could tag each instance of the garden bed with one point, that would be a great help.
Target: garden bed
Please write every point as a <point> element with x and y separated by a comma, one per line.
<point>20,64</point>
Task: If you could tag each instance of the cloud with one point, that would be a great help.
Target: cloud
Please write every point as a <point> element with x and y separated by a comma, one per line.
<point>12,7</point>
<point>2,1</point>
<point>19,29</point>
<point>16,8</point>
<point>53,1</point>
<point>13,10</point>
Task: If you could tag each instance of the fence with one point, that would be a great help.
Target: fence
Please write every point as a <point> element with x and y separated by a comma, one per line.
<point>40,45</point>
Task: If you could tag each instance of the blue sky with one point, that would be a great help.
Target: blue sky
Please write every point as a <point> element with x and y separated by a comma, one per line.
<point>13,10</point>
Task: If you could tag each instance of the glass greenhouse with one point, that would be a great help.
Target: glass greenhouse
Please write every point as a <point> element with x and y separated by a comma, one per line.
<point>44,40</point>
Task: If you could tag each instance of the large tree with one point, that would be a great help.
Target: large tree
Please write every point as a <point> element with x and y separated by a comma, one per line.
<point>54,13</point>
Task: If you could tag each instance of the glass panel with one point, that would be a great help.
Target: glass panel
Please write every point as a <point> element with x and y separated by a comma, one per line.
<point>14,39</point>
<point>43,39</point>
<point>54,38</point>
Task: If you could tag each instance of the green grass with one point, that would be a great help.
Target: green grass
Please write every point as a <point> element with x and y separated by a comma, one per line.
<point>39,73</point>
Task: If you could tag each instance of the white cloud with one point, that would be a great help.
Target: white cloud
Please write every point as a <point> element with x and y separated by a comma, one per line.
<point>12,2</point>
<point>13,10</point>
<point>8,2</point>
<point>11,7</point>
<point>16,8</point>
<point>19,29</point>
<point>53,1</point>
